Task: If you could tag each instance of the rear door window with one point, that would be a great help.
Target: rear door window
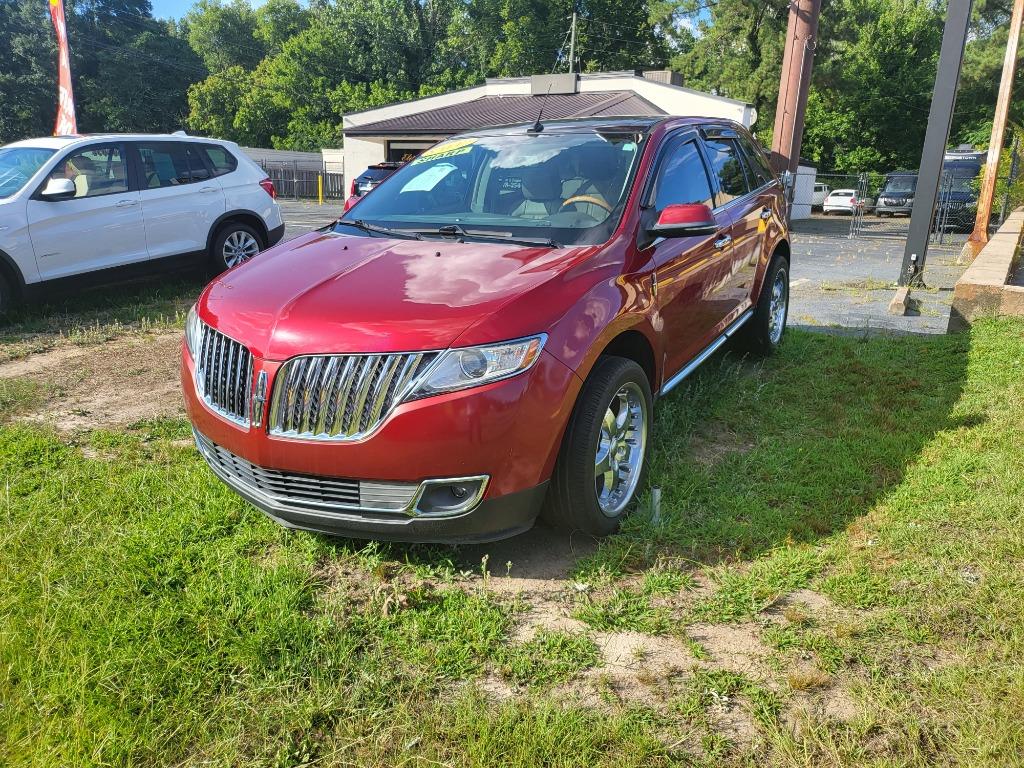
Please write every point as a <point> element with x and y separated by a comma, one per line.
<point>727,166</point>
<point>169,164</point>
<point>757,165</point>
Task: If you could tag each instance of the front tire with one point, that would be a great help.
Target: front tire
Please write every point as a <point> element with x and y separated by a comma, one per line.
<point>7,296</point>
<point>763,332</point>
<point>604,452</point>
<point>234,244</point>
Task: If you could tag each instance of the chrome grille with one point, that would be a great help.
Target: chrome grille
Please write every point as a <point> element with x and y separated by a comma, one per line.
<point>307,491</point>
<point>224,374</point>
<point>341,397</point>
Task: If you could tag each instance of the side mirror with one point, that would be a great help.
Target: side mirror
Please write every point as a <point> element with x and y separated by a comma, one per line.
<point>684,220</point>
<point>58,189</point>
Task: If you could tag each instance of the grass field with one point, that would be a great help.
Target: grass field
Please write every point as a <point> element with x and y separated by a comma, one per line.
<point>836,577</point>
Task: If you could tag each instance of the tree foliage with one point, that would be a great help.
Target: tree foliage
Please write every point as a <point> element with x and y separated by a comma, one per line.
<point>284,74</point>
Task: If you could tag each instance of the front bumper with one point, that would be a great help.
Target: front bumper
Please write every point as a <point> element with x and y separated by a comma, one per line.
<point>509,431</point>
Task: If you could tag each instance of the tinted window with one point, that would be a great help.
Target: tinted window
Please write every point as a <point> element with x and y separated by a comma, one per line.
<point>757,164</point>
<point>95,171</point>
<point>219,159</point>
<point>196,165</point>
<point>682,178</point>
<point>168,164</point>
<point>727,165</point>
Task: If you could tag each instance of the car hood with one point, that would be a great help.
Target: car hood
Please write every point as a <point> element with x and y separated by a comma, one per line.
<point>329,293</point>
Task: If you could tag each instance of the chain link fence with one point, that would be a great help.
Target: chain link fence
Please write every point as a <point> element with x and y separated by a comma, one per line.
<point>297,183</point>
<point>877,205</point>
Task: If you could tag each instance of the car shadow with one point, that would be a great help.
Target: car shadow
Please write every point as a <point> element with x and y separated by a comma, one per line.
<point>751,455</point>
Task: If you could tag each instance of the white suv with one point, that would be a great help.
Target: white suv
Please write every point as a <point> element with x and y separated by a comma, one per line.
<point>103,206</point>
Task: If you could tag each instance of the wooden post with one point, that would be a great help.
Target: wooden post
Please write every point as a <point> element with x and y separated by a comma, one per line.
<point>795,81</point>
<point>979,237</point>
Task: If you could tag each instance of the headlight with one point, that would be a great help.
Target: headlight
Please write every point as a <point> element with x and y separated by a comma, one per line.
<point>473,366</point>
<point>193,331</point>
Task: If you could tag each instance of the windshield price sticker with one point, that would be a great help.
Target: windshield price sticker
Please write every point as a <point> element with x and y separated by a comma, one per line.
<point>448,149</point>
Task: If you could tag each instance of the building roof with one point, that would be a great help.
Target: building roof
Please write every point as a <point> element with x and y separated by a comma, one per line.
<point>488,111</point>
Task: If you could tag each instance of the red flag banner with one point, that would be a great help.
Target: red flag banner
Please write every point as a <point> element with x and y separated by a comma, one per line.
<point>66,123</point>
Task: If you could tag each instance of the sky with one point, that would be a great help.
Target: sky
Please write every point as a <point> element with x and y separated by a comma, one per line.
<point>175,9</point>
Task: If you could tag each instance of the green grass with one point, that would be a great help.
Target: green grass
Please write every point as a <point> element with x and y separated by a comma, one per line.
<point>150,617</point>
<point>100,315</point>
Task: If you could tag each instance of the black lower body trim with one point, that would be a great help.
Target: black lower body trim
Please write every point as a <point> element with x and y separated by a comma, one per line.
<point>490,520</point>
<point>274,235</point>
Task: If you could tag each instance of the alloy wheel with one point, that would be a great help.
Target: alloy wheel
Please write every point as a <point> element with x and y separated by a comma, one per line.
<point>239,246</point>
<point>777,306</point>
<point>620,449</point>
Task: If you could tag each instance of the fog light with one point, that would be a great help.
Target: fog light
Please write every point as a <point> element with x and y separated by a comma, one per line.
<point>453,496</point>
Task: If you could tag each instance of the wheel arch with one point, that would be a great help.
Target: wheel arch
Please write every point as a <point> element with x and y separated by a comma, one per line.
<point>10,270</point>
<point>245,217</point>
<point>634,345</point>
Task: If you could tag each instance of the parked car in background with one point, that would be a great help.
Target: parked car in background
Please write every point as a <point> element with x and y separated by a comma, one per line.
<point>109,206</point>
<point>818,196</point>
<point>369,179</point>
<point>896,197</point>
<point>841,201</point>
<point>484,337</point>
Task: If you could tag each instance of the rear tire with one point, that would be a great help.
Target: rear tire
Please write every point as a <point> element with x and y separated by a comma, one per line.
<point>603,457</point>
<point>763,332</point>
<point>234,244</point>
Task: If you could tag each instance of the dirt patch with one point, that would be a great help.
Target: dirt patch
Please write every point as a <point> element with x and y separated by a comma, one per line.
<point>715,442</point>
<point>112,385</point>
<point>734,647</point>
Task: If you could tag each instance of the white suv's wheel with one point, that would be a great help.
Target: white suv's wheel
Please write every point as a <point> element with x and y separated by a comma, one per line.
<point>234,244</point>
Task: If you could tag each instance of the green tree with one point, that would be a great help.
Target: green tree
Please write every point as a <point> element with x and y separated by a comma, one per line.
<point>224,34</point>
<point>277,21</point>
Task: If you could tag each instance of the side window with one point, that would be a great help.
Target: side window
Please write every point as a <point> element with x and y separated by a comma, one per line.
<point>164,164</point>
<point>95,171</point>
<point>196,165</point>
<point>727,165</point>
<point>219,159</point>
<point>757,165</point>
<point>681,178</point>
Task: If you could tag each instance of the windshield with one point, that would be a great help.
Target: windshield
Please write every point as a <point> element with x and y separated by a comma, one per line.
<point>565,188</point>
<point>959,177</point>
<point>18,165</point>
<point>900,185</point>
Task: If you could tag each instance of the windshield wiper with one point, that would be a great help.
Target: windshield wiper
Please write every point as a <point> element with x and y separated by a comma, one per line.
<point>459,233</point>
<point>373,228</point>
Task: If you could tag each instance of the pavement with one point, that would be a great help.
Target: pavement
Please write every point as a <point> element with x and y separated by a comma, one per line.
<point>836,281</point>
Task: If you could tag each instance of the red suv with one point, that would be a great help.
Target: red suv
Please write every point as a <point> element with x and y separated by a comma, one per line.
<point>483,338</point>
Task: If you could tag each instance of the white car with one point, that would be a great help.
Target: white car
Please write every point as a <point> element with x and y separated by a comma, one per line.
<point>841,201</point>
<point>820,193</point>
<point>111,206</point>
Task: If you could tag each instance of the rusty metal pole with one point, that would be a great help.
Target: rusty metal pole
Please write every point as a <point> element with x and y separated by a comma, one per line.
<point>795,81</point>
<point>979,237</point>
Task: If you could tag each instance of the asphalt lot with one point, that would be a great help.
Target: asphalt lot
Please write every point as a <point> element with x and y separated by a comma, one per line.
<point>837,282</point>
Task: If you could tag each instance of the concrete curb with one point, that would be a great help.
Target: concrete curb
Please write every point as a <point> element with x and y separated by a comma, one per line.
<point>982,290</point>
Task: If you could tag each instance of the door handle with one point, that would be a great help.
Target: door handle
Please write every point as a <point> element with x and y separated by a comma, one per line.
<point>126,203</point>
<point>723,242</point>
<point>766,213</point>
<point>207,190</point>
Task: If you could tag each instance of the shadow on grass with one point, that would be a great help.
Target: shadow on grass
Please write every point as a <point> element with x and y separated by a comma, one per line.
<point>152,302</point>
<point>754,455</point>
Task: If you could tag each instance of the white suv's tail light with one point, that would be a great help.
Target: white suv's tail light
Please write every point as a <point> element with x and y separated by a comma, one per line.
<point>268,187</point>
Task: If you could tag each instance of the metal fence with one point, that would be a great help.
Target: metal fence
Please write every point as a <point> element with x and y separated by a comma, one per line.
<point>298,183</point>
<point>883,203</point>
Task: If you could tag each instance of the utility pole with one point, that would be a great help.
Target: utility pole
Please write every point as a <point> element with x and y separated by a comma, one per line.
<point>940,116</point>
<point>572,45</point>
<point>979,237</point>
<point>797,60</point>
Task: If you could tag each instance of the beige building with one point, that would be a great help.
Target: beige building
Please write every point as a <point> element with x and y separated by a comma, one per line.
<point>401,131</point>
